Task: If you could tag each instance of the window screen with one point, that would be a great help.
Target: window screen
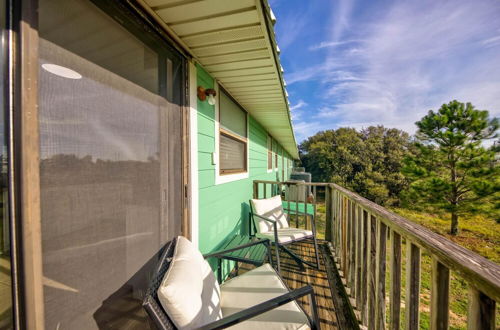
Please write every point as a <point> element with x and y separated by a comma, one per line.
<point>232,117</point>
<point>233,154</point>
<point>233,136</point>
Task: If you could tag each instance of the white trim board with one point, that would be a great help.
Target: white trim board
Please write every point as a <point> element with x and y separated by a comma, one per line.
<point>193,152</point>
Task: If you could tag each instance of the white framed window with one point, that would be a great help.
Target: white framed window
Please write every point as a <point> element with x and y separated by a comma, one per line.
<point>231,140</point>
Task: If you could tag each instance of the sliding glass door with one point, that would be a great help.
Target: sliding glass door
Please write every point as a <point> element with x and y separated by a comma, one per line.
<point>110,164</point>
<point>6,311</point>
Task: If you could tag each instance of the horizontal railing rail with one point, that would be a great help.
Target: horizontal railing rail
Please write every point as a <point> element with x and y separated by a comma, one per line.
<point>360,231</point>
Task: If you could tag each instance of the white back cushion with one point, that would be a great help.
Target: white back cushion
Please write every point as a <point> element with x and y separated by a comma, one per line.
<point>271,208</point>
<point>189,292</point>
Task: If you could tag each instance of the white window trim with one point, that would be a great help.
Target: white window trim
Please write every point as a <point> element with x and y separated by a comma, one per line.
<point>221,179</point>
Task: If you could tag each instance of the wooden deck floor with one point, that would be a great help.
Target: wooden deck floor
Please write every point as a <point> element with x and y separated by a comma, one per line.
<point>317,278</point>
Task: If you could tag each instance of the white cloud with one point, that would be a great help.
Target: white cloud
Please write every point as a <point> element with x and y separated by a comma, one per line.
<point>332,44</point>
<point>415,57</point>
<point>300,104</point>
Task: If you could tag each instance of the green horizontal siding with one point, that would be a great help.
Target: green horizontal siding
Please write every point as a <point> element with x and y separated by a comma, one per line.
<point>223,208</point>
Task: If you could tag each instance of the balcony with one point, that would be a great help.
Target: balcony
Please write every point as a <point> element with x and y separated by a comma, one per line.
<point>373,263</point>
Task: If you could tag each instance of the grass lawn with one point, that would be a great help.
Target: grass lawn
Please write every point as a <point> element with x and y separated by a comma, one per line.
<point>477,233</point>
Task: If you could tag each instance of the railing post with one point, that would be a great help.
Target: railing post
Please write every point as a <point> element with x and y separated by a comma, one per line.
<point>481,313</point>
<point>352,248</point>
<point>380,275</point>
<point>364,266</point>
<point>372,246</point>
<point>255,190</point>
<point>412,286</point>
<point>329,214</point>
<point>359,260</point>
<point>344,235</point>
<point>395,281</point>
<point>440,298</point>
<point>337,224</point>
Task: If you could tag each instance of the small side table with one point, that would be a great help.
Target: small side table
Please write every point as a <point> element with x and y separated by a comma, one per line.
<point>242,248</point>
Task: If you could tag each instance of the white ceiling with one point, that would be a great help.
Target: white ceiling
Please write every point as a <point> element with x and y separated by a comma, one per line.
<point>230,39</point>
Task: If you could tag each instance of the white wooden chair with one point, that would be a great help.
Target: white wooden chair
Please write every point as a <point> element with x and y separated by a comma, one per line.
<point>270,221</point>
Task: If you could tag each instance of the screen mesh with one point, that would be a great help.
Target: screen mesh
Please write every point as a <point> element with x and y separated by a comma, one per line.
<point>232,118</point>
<point>232,154</point>
<point>110,172</point>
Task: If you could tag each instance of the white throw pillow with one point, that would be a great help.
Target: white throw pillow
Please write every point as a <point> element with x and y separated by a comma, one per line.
<point>189,292</point>
<point>271,208</point>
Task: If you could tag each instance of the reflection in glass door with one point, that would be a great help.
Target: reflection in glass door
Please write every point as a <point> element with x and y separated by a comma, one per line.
<point>6,317</point>
<point>110,139</point>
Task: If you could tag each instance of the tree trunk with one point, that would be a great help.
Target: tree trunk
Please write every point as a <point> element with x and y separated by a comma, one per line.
<point>454,223</point>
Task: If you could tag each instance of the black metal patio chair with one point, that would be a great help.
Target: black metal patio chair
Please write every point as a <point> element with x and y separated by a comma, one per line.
<point>270,221</point>
<point>242,305</point>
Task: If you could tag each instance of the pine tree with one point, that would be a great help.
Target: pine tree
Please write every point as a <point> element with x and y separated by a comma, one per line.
<point>451,169</point>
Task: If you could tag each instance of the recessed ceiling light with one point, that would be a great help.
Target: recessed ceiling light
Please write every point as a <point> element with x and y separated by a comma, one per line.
<point>61,71</point>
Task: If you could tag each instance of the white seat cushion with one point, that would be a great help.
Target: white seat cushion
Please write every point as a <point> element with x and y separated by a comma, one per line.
<point>286,235</point>
<point>189,292</point>
<point>257,286</point>
<point>271,208</point>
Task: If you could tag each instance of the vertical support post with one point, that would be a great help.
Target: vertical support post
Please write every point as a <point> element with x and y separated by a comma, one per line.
<point>344,234</point>
<point>26,162</point>
<point>348,242</point>
<point>329,215</point>
<point>255,190</point>
<point>306,196</point>
<point>440,295</point>
<point>364,267</point>
<point>265,190</point>
<point>314,206</point>
<point>372,261</point>
<point>359,260</point>
<point>380,275</point>
<point>395,280</point>
<point>352,249</point>
<point>481,313</point>
<point>297,206</point>
<point>412,286</point>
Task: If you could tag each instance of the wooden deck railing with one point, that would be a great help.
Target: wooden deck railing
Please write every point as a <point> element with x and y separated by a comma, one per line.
<point>359,230</point>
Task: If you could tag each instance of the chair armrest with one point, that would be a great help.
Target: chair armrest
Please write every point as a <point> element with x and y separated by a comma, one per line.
<point>261,308</point>
<point>220,253</point>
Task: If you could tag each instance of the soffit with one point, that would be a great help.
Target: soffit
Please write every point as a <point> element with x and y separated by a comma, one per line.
<point>234,41</point>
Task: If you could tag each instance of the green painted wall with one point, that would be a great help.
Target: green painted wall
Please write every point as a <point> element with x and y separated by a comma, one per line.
<point>223,208</point>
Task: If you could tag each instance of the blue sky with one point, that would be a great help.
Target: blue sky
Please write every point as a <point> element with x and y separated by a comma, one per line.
<point>361,62</point>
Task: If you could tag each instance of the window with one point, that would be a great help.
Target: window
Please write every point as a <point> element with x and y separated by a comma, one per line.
<point>269,153</point>
<point>232,136</point>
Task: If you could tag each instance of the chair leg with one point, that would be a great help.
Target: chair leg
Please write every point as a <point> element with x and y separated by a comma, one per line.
<point>269,253</point>
<point>278,257</point>
<point>314,311</point>
<point>295,257</point>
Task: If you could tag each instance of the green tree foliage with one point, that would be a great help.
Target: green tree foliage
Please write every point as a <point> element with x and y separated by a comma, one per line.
<point>450,169</point>
<point>368,162</point>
